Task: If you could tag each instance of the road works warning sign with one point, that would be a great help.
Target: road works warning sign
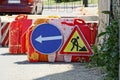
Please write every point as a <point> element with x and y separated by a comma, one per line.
<point>76,44</point>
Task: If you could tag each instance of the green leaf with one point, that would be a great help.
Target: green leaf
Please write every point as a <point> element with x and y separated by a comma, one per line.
<point>106,12</point>
<point>101,34</point>
<point>113,54</point>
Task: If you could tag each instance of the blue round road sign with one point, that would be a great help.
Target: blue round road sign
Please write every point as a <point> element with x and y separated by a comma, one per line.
<point>46,38</point>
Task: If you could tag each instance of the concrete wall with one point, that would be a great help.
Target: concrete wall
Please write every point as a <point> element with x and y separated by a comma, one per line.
<point>103,5</point>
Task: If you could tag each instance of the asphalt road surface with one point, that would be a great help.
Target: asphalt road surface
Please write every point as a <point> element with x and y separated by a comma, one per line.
<point>17,67</point>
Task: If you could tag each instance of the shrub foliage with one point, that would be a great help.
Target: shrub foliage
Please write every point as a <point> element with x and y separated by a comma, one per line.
<point>107,54</point>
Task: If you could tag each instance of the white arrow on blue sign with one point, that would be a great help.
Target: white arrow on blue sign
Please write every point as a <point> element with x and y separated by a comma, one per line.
<point>41,39</point>
<point>46,38</point>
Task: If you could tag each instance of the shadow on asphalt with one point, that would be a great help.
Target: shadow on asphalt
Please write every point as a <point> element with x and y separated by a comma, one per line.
<point>78,72</point>
<point>9,54</point>
<point>27,62</point>
<point>72,74</point>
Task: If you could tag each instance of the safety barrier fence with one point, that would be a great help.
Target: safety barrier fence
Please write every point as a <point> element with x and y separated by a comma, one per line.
<point>53,38</point>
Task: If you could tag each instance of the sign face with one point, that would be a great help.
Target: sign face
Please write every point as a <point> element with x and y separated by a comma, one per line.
<point>46,38</point>
<point>76,44</point>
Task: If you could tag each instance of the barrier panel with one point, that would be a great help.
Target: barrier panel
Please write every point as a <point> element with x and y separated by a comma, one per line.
<point>70,41</point>
<point>4,33</point>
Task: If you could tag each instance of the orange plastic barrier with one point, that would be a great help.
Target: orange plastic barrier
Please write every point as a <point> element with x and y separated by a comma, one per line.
<point>33,55</point>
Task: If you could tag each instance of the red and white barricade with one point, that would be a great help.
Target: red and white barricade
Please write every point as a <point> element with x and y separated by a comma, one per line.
<point>4,33</point>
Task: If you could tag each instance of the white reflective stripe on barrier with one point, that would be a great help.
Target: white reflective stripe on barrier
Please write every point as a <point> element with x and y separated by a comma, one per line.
<point>5,34</point>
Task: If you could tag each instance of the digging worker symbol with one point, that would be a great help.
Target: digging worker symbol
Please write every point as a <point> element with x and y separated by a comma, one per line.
<point>75,43</point>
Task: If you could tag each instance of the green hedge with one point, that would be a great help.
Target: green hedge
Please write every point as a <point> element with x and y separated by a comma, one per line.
<point>58,1</point>
<point>107,54</point>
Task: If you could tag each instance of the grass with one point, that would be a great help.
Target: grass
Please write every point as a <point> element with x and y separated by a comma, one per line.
<point>52,2</point>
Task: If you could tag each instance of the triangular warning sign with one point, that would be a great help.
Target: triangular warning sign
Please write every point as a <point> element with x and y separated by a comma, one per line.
<point>76,44</point>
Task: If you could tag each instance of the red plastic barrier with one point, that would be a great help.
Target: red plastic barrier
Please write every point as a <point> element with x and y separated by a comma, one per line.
<point>94,31</point>
<point>82,26</point>
<point>17,34</point>
<point>14,37</point>
<point>89,30</point>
